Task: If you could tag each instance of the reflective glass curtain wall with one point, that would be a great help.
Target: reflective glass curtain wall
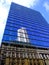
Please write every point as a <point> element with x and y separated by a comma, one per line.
<point>36,26</point>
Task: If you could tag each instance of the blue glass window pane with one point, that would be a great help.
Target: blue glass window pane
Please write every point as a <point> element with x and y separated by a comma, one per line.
<point>36,26</point>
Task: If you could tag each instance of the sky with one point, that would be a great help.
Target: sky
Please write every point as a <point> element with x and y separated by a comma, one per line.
<point>40,5</point>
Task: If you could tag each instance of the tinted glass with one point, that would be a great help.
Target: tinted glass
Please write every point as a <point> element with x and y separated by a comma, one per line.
<point>34,23</point>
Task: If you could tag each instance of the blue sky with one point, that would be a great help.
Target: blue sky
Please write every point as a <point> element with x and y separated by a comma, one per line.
<point>39,5</point>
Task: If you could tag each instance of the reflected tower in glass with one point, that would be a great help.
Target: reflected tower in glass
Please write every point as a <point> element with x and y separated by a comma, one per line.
<point>22,35</point>
<point>36,26</point>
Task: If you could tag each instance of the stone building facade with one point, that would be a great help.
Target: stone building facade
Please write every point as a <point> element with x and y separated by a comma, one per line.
<point>23,54</point>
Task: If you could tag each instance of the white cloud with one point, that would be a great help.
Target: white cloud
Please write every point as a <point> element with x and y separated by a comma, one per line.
<point>22,2</point>
<point>3,17</point>
<point>8,1</point>
<point>2,26</point>
<point>46,5</point>
<point>27,3</point>
<point>3,14</point>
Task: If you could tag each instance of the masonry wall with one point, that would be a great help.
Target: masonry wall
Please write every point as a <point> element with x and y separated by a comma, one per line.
<point>15,55</point>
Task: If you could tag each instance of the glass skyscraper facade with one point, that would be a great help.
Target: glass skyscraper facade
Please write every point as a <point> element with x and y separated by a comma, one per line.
<point>36,26</point>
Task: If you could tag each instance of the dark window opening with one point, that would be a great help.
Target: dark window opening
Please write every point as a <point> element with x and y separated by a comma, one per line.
<point>34,63</point>
<point>30,63</point>
<point>38,63</point>
<point>2,62</point>
<point>44,63</point>
<point>22,63</point>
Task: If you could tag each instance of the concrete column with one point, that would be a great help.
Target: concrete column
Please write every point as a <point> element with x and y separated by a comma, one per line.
<point>26,61</point>
<point>11,61</point>
<point>20,61</point>
<point>47,61</point>
<point>36,62</point>
<point>32,61</point>
<point>15,62</point>
<point>41,61</point>
<point>7,61</point>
